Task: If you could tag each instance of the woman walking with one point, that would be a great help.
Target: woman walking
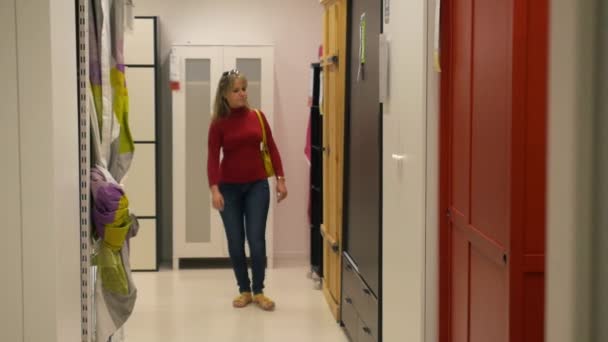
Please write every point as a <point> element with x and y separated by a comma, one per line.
<point>239,184</point>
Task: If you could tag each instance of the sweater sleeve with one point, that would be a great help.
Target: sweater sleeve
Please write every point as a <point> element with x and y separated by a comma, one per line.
<point>213,154</point>
<point>274,151</point>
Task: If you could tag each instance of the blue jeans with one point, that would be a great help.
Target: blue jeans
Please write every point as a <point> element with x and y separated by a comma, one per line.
<point>245,212</point>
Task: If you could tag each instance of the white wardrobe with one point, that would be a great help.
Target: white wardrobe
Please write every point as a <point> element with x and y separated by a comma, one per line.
<point>141,183</point>
<point>195,72</point>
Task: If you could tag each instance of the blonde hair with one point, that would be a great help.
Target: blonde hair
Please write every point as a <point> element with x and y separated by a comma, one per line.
<point>221,109</point>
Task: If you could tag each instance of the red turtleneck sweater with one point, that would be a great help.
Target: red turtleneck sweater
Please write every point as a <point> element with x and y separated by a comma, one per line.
<point>239,136</point>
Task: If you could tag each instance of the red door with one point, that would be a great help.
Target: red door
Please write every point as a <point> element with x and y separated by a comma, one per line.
<point>493,170</point>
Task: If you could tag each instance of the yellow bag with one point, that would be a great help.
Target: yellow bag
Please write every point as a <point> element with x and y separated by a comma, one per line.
<point>264,149</point>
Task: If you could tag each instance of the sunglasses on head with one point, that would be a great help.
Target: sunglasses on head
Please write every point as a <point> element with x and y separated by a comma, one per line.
<point>231,72</point>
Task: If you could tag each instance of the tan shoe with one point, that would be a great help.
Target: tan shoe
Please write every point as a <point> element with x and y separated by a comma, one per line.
<point>242,300</point>
<point>264,302</point>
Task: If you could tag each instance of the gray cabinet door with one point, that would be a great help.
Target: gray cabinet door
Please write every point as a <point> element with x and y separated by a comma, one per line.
<point>364,142</point>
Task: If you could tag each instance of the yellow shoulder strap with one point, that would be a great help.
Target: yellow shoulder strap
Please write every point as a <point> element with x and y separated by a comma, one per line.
<point>262,125</point>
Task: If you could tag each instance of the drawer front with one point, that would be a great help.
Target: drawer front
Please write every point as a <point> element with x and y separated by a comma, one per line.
<point>365,333</point>
<point>368,311</point>
<point>350,318</point>
<point>360,296</point>
<point>350,282</point>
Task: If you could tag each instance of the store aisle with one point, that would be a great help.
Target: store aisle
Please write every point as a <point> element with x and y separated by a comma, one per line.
<point>195,305</point>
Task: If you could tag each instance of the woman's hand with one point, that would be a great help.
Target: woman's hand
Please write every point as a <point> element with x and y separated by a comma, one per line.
<point>281,189</point>
<point>217,198</point>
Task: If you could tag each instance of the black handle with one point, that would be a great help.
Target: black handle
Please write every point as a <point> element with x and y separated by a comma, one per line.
<point>348,300</point>
<point>332,60</point>
<point>367,292</point>
<point>335,248</point>
<point>367,330</point>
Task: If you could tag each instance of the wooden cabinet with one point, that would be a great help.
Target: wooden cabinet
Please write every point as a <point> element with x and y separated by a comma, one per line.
<point>334,71</point>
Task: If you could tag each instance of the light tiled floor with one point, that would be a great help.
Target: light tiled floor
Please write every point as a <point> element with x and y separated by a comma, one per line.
<point>195,305</point>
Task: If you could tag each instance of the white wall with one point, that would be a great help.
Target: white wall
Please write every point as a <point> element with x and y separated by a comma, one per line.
<point>11,293</point>
<point>294,27</point>
<point>404,212</point>
<point>571,103</point>
<point>40,172</point>
<point>66,191</point>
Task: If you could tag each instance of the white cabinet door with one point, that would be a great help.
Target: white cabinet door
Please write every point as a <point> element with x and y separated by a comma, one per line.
<point>141,85</point>
<point>143,246</point>
<point>197,229</point>
<point>257,64</point>
<point>140,181</point>
<point>139,44</point>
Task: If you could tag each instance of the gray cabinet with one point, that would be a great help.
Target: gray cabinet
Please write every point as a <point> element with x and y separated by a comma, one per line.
<point>361,271</point>
<point>359,306</point>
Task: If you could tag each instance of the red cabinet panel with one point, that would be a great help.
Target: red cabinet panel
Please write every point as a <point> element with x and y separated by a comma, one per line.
<point>489,307</point>
<point>491,113</point>
<point>461,106</point>
<point>493,170</point>
<point>460,287</point>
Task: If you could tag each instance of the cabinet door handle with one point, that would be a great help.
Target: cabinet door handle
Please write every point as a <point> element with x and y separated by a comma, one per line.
<point>399,157</point>
<point>367,330</point>
<point>367,292</point>
<point>348,300</point>
<point>331,60</point>
<point>335,248</point>
<point>333,244</point>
